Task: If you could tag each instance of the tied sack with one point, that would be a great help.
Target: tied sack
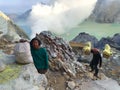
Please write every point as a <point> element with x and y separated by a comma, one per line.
<point>22,53</point>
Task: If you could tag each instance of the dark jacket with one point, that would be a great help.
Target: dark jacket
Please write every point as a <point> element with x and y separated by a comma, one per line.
<point>97,59</point>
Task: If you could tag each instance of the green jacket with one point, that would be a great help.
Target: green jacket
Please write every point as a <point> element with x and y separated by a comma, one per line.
<point>40,58</point>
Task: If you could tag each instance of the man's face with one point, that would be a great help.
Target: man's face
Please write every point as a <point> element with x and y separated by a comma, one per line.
<point>36,44</point>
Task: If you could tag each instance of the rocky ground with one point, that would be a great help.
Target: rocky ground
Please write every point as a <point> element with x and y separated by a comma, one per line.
<point>56,80</point>
<point>61,81</point>
<point>112,71</point>
<point>65,72</point>
<point>110,67</point>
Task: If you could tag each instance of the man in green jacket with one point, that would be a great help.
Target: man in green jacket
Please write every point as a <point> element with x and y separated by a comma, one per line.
<point>40,56</point>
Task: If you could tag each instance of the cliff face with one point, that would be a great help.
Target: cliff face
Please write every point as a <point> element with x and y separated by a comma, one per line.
<point>106,11</point>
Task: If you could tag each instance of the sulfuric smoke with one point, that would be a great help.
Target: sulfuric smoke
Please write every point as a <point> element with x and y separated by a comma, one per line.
<point>61,16</point>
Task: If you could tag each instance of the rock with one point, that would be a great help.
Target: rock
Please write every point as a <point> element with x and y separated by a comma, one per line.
<point>114,72</point>
<point>49,88</point>
<point>7,59</point>
<point>102,76</point>
<point>107,84</point>
<point>2,66</point>
<point>27,79</point>
<point>116,58</point>
<point>71,85</point>
<point>21,77</point>
<point>85,37</point>
<point>104,41</point>
<point>67,77</point>
<point>3,41</point>
<point>116,38</point>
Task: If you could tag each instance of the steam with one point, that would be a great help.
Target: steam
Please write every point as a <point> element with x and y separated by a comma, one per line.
<point>61,16</point>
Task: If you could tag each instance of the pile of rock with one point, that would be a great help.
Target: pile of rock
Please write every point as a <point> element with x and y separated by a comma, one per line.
<point>61,56</point>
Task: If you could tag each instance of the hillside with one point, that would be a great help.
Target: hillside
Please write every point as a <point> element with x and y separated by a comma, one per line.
<point>10,31</point>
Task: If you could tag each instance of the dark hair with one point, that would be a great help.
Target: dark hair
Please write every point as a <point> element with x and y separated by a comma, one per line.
<point>22,40</point>
<point>39,42</point>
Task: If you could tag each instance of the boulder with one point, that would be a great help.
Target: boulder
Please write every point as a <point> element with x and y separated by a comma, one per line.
<point>20,77</point>
<point>85,37</point>
<point>71,85</point>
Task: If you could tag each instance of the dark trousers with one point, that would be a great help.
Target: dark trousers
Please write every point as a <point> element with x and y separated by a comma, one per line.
<point>42,71</point>
<point>94,67</point>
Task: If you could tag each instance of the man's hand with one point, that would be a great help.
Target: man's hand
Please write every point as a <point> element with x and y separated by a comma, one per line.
<point>100,68</point>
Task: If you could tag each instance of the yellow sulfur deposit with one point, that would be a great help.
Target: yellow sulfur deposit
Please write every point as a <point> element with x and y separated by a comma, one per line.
<point>107,47</point>
<point>88,44</point>
<point>4,16</point>
<point>107,51</point>
<point>11,72</point>
<point>87,48</point>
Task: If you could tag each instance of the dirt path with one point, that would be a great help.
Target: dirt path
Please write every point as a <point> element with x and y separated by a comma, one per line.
<point>56,80</point>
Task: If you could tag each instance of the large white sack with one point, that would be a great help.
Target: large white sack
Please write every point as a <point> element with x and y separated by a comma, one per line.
<point>22,53</point>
